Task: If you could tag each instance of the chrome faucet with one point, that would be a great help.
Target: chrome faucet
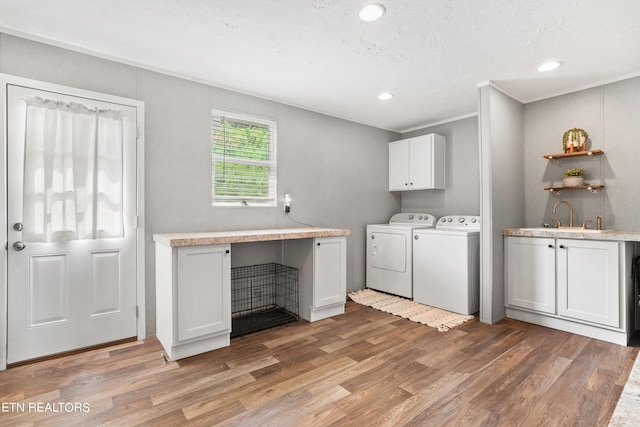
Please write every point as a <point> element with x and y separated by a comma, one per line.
<point>570,211</point>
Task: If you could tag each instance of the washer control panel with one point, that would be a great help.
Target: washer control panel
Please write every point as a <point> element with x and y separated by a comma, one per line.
<point>413,218</point>
<point>459,222</point>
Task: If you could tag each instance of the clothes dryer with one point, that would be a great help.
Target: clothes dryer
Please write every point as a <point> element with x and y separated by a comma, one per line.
<point>389,253</point>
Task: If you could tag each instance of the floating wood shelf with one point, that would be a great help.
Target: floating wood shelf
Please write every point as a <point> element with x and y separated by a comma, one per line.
<point>591,153</point>
<point>592,188</point>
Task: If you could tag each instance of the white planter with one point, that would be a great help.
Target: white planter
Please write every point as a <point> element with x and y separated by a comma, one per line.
<point>572,181</point>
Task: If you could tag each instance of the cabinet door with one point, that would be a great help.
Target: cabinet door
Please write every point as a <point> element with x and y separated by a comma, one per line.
<point>203,291</point>
<point>399,165</point>
<point>329,271</point>
<point>588,281</point>
<point>421,163</point>
<point>531,281</point>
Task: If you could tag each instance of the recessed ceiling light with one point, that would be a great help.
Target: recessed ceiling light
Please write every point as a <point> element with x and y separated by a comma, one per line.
<point>548,66</point>
<point>385,96</point>
<point>371,12</point>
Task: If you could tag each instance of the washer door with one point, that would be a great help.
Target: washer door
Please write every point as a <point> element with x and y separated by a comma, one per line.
<point>387,251</point>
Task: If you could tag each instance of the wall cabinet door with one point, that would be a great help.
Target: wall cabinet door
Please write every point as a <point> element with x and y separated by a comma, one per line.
<point>399,165</point>
<point>203,291</point>
<point>417,163</point>
<point>588,281</point>
<point>329,271</point>
<point>531,281</point>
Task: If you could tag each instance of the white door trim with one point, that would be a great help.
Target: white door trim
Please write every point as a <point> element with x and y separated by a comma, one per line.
<point>5,80</point>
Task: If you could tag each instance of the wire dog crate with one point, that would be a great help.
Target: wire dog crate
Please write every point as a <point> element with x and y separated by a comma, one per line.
<point>263,296</point>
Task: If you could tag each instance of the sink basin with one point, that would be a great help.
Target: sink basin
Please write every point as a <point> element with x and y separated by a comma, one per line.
<point>563,230</point>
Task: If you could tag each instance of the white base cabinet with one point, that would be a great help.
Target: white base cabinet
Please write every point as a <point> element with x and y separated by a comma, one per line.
<point>530,273</point>
<point>193,290</point>
<point>588,281</point>
<point>193,298</point>
<point>580,286</point>
<point>322,272</point>
<point>417,163</point>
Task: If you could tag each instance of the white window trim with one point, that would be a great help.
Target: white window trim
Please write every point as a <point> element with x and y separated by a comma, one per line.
<point>272,200</point>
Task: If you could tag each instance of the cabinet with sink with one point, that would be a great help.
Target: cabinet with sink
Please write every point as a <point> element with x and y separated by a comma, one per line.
<point>580,286</point>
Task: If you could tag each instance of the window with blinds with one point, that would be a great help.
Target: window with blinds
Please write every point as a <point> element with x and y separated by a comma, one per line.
<point>243,152</point>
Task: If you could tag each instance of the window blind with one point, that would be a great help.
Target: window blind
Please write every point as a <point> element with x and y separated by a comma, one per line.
<point>244,160</point>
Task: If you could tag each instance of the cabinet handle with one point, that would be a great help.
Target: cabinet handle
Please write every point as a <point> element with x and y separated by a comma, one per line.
<point>227,251</point>
<point>318,243</point>
<point>561,246</point>
<point>551,246</point>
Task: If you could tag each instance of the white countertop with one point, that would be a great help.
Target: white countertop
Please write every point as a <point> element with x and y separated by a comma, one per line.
<point>617,235</point>
<point>243,236</point>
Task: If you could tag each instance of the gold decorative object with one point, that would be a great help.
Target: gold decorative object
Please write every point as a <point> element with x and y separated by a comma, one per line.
<point>574,140</point>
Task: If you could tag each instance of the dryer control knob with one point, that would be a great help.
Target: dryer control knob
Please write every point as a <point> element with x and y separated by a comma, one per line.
<point>461,219</point>
<point>410,216</point>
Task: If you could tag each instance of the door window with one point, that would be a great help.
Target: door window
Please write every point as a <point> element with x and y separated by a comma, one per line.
<point>72,172</point>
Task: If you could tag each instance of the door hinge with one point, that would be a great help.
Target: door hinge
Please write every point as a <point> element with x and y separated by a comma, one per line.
<point>137,312</point>
<point>137,132</point>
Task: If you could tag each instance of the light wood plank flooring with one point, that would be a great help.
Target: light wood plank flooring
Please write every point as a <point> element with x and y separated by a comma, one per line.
<point>364,368</point>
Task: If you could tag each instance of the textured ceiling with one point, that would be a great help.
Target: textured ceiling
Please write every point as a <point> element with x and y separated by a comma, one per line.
<point>317,54</point>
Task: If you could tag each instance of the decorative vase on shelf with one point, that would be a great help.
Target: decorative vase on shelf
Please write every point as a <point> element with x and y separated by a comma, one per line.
<point>573,181</point>
<point>573,177</point>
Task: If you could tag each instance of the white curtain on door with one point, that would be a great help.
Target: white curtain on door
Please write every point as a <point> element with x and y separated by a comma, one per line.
<point>72,172</point>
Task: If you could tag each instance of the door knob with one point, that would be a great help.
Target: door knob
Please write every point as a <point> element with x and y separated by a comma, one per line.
<point>18,246</point>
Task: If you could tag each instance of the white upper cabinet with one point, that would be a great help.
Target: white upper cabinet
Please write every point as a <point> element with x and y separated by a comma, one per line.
<point>417,163</point>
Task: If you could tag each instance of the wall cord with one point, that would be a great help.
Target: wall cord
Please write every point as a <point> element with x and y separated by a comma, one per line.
<point>298,222</point>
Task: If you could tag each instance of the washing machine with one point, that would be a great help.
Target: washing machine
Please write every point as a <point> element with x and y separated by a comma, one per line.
<point>446,264</point>
<point>389,252</point>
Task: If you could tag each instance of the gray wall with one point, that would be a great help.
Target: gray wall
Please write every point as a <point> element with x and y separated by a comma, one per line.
<point>462,193</point>
<point>335,170</point>
<point>502,195</point>
<point>611,116</point>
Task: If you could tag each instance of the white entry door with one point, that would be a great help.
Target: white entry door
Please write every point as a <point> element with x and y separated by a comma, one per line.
<point>73,284</point>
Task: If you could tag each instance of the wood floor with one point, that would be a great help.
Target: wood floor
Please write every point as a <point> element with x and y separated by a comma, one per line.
<point>364,368</point>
